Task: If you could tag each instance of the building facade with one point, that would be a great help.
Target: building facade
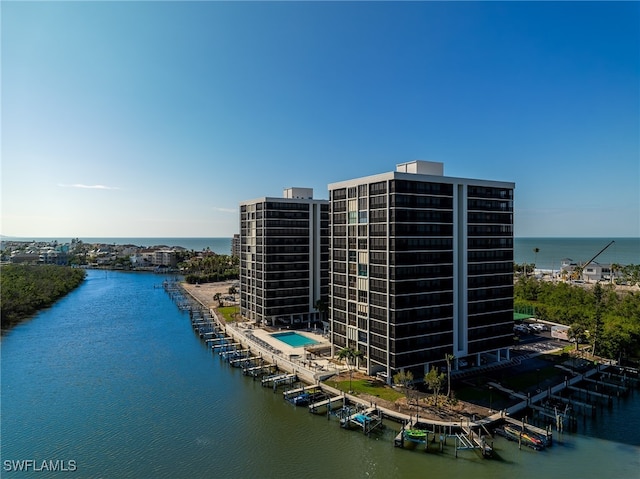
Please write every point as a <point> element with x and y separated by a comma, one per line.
<point>284,252</point>
<point>421,267</point>
<point>235,245</point>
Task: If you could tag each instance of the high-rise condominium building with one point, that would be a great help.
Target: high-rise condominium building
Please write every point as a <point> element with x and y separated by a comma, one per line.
<point>421,267</point>
<point>235,245</point>
<point>284,251</point>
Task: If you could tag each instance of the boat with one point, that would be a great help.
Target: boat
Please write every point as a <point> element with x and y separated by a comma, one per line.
<point>528,438</point>
<point>415,434</point>
<point>362,419</point>
<point>301,400</point>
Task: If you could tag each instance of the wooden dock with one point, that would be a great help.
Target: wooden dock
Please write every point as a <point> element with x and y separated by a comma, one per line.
<point>601,383</point>
<point>297,391</point>
<point>227,345</point>
<point>260,370</point>
<point>326,403</point>
<point>234,353</point>
<point>473,438</point>
<point>248,359</point>
<point>434,437</point>
<point>544,434</point>
<point>279,379</point>
<point>589,393</point>
<point>367,420</point>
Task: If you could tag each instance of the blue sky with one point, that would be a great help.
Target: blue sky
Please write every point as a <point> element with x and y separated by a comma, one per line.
<point>156,119</point>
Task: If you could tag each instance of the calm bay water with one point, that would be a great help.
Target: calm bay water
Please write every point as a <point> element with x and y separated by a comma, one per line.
<point>114,378</point>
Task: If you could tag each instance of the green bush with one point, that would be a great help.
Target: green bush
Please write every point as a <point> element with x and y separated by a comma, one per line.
<point>26,289</point>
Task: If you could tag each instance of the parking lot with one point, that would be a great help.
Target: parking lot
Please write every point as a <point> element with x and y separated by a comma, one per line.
<point>536,337</point>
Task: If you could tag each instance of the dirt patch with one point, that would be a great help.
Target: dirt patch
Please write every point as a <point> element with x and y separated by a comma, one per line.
<point>205,292</point>
<point>420,403</point>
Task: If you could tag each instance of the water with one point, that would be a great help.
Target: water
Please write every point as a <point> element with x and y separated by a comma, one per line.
<point>114,378</point>
<point>624,251</point>
<point>294,340</point>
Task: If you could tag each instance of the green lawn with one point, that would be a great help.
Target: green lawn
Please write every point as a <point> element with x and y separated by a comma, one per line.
<point>365,386</point>
<point>228,312</point>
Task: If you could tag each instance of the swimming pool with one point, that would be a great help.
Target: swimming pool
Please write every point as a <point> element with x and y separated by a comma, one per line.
<point>293,339</point>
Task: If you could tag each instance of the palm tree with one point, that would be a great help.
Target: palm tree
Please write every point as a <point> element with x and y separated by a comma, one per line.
<point>577,333</point>
<point>535,258</point>
<point>349,355</point>
<point>321,307</point>
<point>449,358</point>
<point>615,267</point>
<point>357,354</point>
<point>577,272</point>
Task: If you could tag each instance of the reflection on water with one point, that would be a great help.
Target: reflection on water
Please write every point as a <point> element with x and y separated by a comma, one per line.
<point>114,378</point>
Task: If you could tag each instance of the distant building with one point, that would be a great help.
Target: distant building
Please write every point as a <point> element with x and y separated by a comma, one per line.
<point>235,245</point>
<point>41,254</point>
<point>591,272</point>
<point>149,257</point>
<point>165,257</point>
<point>25,257</point>
<point>284,258</point>
<point>421,267</point>
<point>53,256</point>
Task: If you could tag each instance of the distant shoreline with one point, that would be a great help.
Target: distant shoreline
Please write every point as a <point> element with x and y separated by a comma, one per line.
<point>551,250</point>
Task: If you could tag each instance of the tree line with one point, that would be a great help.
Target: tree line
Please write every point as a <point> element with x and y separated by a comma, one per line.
<point>606,319</point>
<point>210,268</point>
<point>620,274</point>
<point>26,289</point>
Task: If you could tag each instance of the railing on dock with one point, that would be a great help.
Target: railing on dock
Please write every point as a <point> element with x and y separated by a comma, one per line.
<point>367,420</point>
<point>326,403</point>
<point>279,379</point>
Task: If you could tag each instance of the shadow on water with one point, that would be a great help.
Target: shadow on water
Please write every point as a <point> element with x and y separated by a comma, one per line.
<point>495,456</point>
<point>563,444</point>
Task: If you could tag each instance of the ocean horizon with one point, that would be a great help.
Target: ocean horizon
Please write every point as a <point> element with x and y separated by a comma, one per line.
<point>551,250</point>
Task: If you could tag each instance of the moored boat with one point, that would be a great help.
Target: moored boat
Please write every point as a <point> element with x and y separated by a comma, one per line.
<point>415,434</point>
<point>527,438</point>
<point>301,400</point>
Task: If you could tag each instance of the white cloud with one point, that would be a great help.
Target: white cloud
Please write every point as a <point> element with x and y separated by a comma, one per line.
<point>90,187</point>
<point>226,210</point>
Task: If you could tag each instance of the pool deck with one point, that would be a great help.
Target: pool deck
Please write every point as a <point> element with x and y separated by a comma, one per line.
<point>312,368</point>
<point>312,336</point>
<point>294,353</point>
